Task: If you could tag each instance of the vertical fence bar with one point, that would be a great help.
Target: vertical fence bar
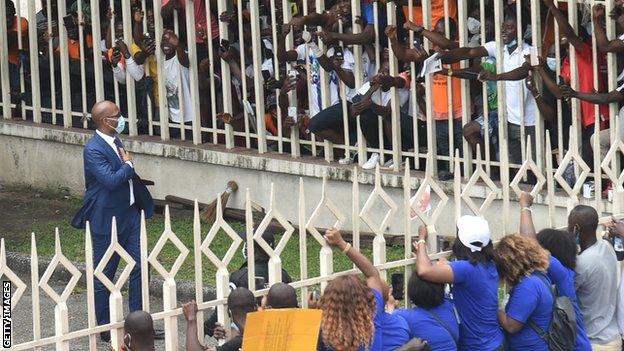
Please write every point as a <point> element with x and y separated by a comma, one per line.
<point>355,208</point>
<point>413,98</point>
<point>258,86</point>
<point>90,287</point>
<point>145,295</point>
<point>431,127</point>
<point>295,145</point>
<point>303,244</point>
<point>462,13</point>
<point>49,17</point>
<point>83,80</point>
<point>34,284</point>
<point>325,97</point>
<point>33,50</point>
<point>194,73</point>
<point>160,59</point>
<point>4,67</point>
<point>64,57</point>
<point>20,48</point>
<point>199,277</point>
<point>243,65</point>
<point>128,25</point>
<point>213,89</point>
<point>96,34</point>
<point>356,11</point>
<point>249,229</point>
<point>395,103</point>
<point>226,81</point>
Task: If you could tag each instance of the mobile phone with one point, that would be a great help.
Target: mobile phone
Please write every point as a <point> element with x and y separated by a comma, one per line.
<point>398,284</point>
<point>260,283</point>
<point>338,52</point>
<point>266,74</point>
<point>225,44</point>
<point>116,51</point>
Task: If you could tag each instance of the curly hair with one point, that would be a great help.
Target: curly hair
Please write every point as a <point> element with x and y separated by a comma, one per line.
<point>517,256</point>
<point>348,307</point>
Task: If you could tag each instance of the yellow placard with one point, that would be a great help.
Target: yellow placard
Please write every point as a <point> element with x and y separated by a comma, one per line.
<point>290,329</point>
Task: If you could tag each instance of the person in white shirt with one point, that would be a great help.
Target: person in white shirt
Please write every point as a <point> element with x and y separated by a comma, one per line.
<point>122,61</point>
<point>518,98</point>
<point>177,80</point>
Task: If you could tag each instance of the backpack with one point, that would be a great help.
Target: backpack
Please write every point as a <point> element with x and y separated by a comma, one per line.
<point>561,334</point>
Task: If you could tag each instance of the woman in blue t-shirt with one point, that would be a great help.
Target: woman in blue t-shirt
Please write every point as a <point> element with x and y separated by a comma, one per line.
<point>522,263</point>
<point>433,317</point>
<point>563,250</point>
<point>474,282</point>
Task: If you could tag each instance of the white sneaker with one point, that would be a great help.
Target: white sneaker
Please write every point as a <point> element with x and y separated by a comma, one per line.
<point>346,160</point>
<point>372,162</point>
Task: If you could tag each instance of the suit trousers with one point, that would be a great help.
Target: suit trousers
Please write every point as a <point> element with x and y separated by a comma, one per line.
<point>128,236</point>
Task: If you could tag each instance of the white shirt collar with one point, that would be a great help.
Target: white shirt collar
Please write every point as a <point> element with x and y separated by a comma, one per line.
<point>107,138</point>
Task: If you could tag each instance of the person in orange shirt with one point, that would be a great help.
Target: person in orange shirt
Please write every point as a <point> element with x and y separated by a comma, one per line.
<point>440,92</point>
<point>437,11</point>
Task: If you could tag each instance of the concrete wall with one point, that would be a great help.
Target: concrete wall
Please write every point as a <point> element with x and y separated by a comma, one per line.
<point>50,156</point>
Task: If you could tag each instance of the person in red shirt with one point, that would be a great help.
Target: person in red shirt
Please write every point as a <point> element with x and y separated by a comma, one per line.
<point>582,44</point>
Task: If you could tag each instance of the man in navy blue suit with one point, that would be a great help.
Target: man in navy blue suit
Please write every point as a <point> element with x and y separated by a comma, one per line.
<point>113,189</point>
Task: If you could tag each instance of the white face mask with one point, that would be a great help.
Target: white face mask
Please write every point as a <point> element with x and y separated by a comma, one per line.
<point>551,62</point>
<point>474,26</point>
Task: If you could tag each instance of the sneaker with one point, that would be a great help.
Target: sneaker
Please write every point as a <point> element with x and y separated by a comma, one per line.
<point>346,160</point>
<point>372,162</point>
<point>389,164</point>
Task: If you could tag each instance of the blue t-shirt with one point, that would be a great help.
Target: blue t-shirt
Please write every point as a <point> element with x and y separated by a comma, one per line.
<point>475,295</point>
<point>563,278</point>
<point>377,342</point>
<point>394,330</point>
<point>423,325</point>
<point>368,14</point>
<point>530,300</point>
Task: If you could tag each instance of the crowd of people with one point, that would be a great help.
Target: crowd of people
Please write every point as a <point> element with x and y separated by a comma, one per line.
<point>560,291</point>
<point>325,107</point>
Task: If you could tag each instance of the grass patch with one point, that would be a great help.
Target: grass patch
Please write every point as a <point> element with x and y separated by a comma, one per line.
<point>73,246</point>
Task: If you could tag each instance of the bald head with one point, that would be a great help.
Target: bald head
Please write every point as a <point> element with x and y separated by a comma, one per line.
<point>241,300</point>
<point>282,296</point>
<point>585,218</point>
<point>140,328</point>
<point>101,112</point>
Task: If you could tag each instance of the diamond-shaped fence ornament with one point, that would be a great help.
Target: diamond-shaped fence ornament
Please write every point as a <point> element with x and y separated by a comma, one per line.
<point>273,213</point>
<point>333,209</point>
<point>59,258</point>
<point>378,193</point>
<point>608,164</point>
<point>219,224</point>
<point>114,248</point>
<point>5,271</point>
<point>528,165</point>
<point>572,155</point>
<point>424,190</point>
<point>479,174</point>
<point>168,235</point>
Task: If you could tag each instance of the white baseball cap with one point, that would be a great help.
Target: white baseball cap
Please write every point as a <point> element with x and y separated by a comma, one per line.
<point>472,230</point>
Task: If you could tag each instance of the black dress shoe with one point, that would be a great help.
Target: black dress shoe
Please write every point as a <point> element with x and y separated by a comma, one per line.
<point>105,336</point>
<point>445,175</point>
<point>159,334</point>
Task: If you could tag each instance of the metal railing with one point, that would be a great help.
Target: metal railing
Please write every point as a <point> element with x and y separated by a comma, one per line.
<point>56,79</point>
<point>359,215</point>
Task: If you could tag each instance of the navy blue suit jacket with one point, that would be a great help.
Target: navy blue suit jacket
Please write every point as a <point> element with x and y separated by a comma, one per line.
<point>107,188</point>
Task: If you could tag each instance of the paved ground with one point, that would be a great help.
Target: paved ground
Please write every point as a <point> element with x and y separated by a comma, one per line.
<point>22,320</point>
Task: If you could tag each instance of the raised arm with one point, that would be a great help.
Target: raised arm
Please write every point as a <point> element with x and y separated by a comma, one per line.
<point>190,314</point>
<point>464,53</point>
<point>564,25</point>
<point>401,51</point>
<point>550,84</point>
<point>438,273</point>
<point>602,42</point>
<point>526,217</point>
<point>434,37</point>
<point>373,280</point>
<point>547,111</point>
<point>282,54</point>
<point>595,98</point>
<point>516,74</point>
<point>367,36</point>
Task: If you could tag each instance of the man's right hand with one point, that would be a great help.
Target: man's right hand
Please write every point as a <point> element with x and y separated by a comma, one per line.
<point>125,156</point>
<point>190,311</point>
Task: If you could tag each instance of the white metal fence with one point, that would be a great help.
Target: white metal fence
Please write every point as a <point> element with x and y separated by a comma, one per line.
<point>359,215</point>
<point>63,70</point>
